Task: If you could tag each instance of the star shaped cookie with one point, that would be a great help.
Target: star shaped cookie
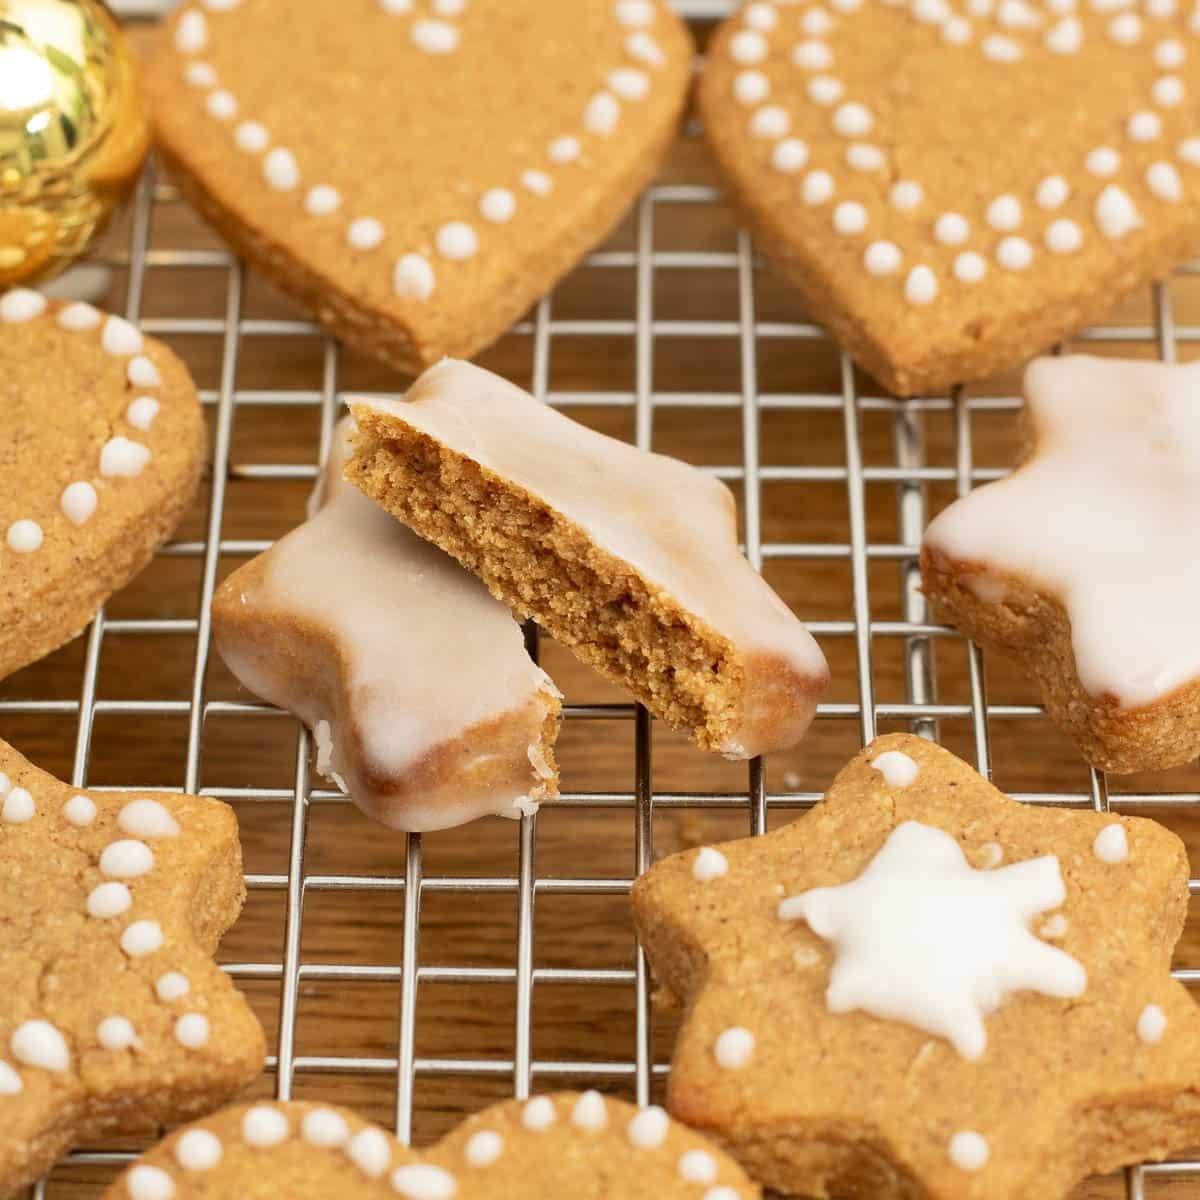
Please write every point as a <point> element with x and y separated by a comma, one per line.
<point>584,1145</point>
<point>1082,565</point>
<point>115,1017</point>
<point>837,974</point>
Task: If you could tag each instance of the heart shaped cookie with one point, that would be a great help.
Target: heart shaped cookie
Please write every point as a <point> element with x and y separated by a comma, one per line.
<point>417,172</point>
<point>569,1144</point>
<point>102,451</point>
<point>956,184</point>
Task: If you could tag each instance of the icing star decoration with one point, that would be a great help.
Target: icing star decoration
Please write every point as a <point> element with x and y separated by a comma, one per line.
<point>925,988</point>
<point>114,1017</point>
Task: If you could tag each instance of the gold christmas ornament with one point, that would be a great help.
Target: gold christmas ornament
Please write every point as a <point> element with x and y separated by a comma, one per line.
<point>73,131</point>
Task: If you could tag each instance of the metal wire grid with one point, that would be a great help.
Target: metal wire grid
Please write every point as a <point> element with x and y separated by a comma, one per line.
<point>920,710</point>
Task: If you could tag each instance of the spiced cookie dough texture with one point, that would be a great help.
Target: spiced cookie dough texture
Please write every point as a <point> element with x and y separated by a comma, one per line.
<point>417,175</point>
<point>577,1144</point>
<point>115,1017</point>
<point>423,700</point>
<point>954,187</point>
<point>925,988</point>
<point>629,559</point>
<point>1082,565</point>
<point>102,448</point>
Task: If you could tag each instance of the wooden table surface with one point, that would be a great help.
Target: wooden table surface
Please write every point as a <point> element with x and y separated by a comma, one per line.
<point>357,1020</point>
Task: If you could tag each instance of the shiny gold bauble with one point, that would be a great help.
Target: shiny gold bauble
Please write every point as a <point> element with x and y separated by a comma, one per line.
<point>73,131</point>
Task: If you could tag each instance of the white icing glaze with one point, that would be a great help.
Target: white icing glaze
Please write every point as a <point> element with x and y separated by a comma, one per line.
<point>539,1114</point>
<point>589,1112</point>
<point>434,37</point>
<point>648,1130</point>
<point>264,1127</point>
<point>751,87</point>
<point>882,258</point>
<point>697,1166</point>
<point>280,169</point>
<point>862,156</point>
<point>364,233</point>
<point>200,75</point>
<point>825,90</point>
<point>1014,253</point>
<point>251,136</point>
<point>629,83</point>
<point>18,807</point>
<point>123,458</point>
<point>149,1183</point>
<point>414,278</point>
<point>198,1150</point>
<point>117,1033</point>
<point>951,229</point>
<point>142,938</point>
<point>191,34</point>
<point>109,899</point>
<point>770,121</point>
<point>24,536</point>
<point>192,1030</point>
<point>80,811</point>
<point>172,986</point>
<point>498,205</point>
<point>1168,92</point>
<point>39,1044</point>
<point>906,195</point>
<point>1163,180</point>
<point>147,819</point>
<point>921,285</point>
<point>789,155</point>
<point>849,217</point>
<point>322,200</point>
<point>325,1127</point>
<point>20,305</point>
<point>969,1151</point>
<point>222,105</point>
<point>812,55</point>
<point>1152,1024</point>
<point>818,187</point>
<point>484,1148</point>
<point>921,937</point>
<point>734,1048</point>
<point>120,337</point>
<point>126,859</point>
<point>1111,844</point>
<point>710,864</point>
<point>370,1152</point>
<point>1144,126</point>
<point>141,372</point>
<point>79,316</point>
<point>423,1181</point>
<point>1004,213</point>
<point>1063,236</point>
<point>78,502</point>
<point>142,411</point>
<point>896,767</point>
<point>1102,162</point>
<point>602,114</point>
<point>1053,192</point>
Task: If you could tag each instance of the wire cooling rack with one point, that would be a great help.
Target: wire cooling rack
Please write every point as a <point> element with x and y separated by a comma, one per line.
<point>836,483</point>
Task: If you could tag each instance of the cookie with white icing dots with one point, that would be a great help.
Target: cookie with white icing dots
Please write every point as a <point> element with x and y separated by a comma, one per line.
<point>954,185</point>
<point>580,1144</point>
<point>417,173</point>
<point>115,1018</point>
<point>923,987</point>
<point>1082,564</point>
<point>425,704</point>
<point>630,559</point>
<point>102,451</point>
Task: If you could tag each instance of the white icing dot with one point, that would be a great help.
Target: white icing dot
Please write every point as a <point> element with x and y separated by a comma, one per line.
<point>1055,927</point>
<point>818,186</point>
<point>1111,844</point>
<point>141,372</point>
<point>589,1112</point>
<point>18,807</point>
<point>1125,29</point>
<point>968,1151</point>
<point>263,1127</point>
<point>1152,1024</point>
<point>951,229</point>
<point>142,938</point>
<point>222,105</point>
<point>921,286</point>
<point>126,859</point>
<point>80,811</point>
<point>629,83</point>
<point>1065,37</point>
<point>192,1031</point>
<point>1170,54</point>
<point>457,241</point>
<point>79,316</point>
<point>538,1114</point>
<point>434,37</point>
<point>1189,151</point>
<point>484,1148</point>
<point>200,75</point>
<point>825,90</point>
<point>1163,180</point>
<point>760,16</point>
<point>449,8</point>
<point>280,170</point>
<point>645,49</point>
<point>370,1152</point>
<point>1168,91</point>
<point>364,233</point>
<point>413,278</point>
<point>117,1033</point>
<point>751,87</point>
<point>1115,212</point>
<point>421,1181</point>
<point>149,1183</point>
<point>896,767</point>
<point>991,854</point>
<point>846,5</point>
<point>862,156</point>
<point>772,121</point>
<point>120,337</point>
<point>697,1166</point>
<point>634,14</point>
<point>322,200</point>
<point>817,22</point>
<point>747,46</point>
<point>734,1048</point>
<point>147,819</point>
<point>789,156</point>
<point>325,1127</point>
<point>198,1150</point>
<point>1063,236</point>
<point>24,536</point>
<point>564,149</point>
<point>882,258</point>
<point>1102,162</point>
<point>931,12</point>
<point>1016,14</point>
<point>142,411</point>
<point>1014,253</point>
<point>5,784</point>
<point>1144,126</point>
<point>191,34</point>
<point>171,986</point>
<point>852,119</point>
<point>497,205</point>
<point>40,1044</point>
<point>812,55</point>
<point>648,1130</point>
<point>709,864</point>
<point>1004,213</point>
<point>537,182</point>
<point>109,900</point>
<point>20,305</point>
<point>252,137</point>
<point>602,114</point>
<point>907,195</point>
<point>1052,192</point>
<point>1000,48</point>
<point>722,1193</point>
<point>849,217</point>
<point>10,1081</point>
<point>957,31</point>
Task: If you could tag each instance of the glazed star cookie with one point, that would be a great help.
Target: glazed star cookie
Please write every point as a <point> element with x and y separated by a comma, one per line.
<point>423,170</point>
<point>102,451</point>
<point>954,185</point>
<point>630,559</point>
<point>579,1144</point>
<point>115,1017</point>
<point>1082,564</point>
<point>924,988</point>
<point>425,704</point>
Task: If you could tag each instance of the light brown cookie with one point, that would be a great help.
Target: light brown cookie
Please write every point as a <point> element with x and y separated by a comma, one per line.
<point>115,1017</point>
<point>103,444</point>
<point>421,172</point>
<point>425,704</point>
<point>923,988</point>
<point>1082,565</point>
<point>954,186</point>
<point>630,559</point>
<point>583,1145</point>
